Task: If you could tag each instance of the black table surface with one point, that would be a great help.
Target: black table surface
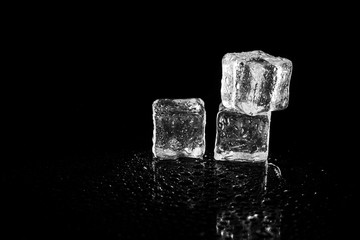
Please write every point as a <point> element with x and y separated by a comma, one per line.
<point>130,195</point>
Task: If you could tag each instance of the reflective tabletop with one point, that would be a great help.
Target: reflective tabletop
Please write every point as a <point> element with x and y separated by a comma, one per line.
<point>130,195</point>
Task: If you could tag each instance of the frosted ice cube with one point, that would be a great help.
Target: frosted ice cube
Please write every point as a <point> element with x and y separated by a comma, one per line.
<point>179,128</point>
<point>255,82</point>
<point>241,137</point>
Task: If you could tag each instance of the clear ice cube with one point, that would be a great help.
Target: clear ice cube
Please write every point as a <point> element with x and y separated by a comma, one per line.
<point>179,128</point>
<point>255,82</point>
<point>240,136</point>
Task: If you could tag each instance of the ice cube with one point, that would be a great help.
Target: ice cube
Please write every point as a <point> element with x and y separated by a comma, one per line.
<point>179,128</point>
<point>241,137</point>
<point>255,82</point>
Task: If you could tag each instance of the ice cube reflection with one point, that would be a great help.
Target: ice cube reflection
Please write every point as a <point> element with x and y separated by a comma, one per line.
<point>248,212</point>
<point>179,183</point>
<point>237,200</point>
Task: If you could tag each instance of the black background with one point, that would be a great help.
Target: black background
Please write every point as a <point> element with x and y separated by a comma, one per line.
<point>85,81</point>
<point>88,83</point>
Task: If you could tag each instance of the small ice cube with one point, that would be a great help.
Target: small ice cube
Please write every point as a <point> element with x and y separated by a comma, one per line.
<point>241,137</point>
<point>255,82</point>
<point>179,128</point>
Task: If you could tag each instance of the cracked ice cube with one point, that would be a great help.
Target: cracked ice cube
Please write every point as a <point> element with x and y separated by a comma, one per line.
<point>255,82</point>
<point>179,128</point>
<point>240,136</point>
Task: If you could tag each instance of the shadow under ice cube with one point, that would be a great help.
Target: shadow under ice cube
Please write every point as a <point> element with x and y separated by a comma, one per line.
<point>241,137</point>
<point>179,128</point>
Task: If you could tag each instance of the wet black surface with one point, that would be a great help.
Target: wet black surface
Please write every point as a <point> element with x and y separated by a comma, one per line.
<point>131,196</point>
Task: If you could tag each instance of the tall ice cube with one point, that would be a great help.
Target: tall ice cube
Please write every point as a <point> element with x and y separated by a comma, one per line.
<point>179,128</point>
<point>240,136</point>
<point>255,82</point>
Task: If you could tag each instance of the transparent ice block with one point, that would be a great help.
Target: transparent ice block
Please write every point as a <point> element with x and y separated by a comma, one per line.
<point>179,128</point>
<point>241,137</point>
<point>255,82</point>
